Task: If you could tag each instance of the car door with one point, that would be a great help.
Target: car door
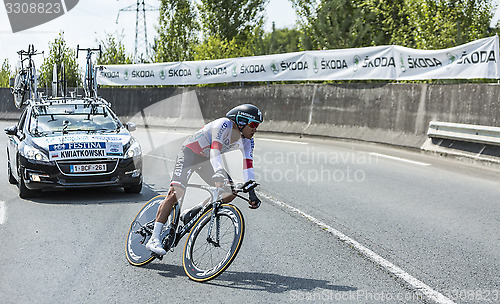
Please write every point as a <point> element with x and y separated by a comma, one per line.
<point>15,141</point>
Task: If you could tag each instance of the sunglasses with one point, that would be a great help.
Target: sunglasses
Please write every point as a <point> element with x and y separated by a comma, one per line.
<point>253,124</point>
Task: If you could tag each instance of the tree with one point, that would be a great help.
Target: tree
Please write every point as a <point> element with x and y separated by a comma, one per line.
<point>388,22</point>
<point>177,31</point>
<point>283,40</point>
<point>446,23</point>
<point>113,51</point>
<point>5,74</point>
<point>333,24</point>
<point>219,48</point>
<point>59,52</point>
<point>231,19</point>
<point>424,24</point>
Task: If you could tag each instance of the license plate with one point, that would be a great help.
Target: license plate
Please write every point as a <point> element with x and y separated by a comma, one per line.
<point>87,168</point>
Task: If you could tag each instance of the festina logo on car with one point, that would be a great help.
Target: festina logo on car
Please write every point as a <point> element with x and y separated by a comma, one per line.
<point>78,145</point>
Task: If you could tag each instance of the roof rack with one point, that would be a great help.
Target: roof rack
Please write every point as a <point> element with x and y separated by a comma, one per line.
<point>37,98</point>
<point>69,100</point>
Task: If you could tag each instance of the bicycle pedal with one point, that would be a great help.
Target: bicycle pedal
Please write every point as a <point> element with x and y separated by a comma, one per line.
<point>159,257</point>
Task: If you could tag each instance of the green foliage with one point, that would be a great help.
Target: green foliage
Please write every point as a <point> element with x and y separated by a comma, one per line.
<point>219,48</point>
<point>387,20</point>
<point>59,52</point>
<point>280,41</point>
<point>5,74</point>
<point>443,23</point>
<point>113,51</point>
<point>423,24</point>
<point>177,31</point>
<point>229,19</point>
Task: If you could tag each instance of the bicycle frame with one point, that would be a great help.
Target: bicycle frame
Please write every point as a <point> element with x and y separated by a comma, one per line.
<point>27,74</point>
<point>214,203</point>
<point>90,84</point>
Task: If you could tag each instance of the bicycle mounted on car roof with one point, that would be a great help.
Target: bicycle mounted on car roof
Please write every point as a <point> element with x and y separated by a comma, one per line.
<point>26,80</point>
<point>90,83</point>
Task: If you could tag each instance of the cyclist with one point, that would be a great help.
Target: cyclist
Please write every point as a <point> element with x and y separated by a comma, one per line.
<point>201,153</point>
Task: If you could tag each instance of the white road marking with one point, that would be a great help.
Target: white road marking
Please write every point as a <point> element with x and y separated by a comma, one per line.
<point>283,141</point>
<point>175,133</point>
<point>3,213</point>
<point>160,157</point>
<point>375,258</point>
<point>400,159</point>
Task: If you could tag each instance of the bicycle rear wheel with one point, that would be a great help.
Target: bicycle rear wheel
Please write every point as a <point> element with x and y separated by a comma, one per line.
<point>205,257</point>
<point>140,232</point>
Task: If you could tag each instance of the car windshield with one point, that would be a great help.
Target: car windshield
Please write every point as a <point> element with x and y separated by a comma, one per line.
<point>66,118</point>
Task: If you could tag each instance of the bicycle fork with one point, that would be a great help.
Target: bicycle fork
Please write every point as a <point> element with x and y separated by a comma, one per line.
<point>214,218</point>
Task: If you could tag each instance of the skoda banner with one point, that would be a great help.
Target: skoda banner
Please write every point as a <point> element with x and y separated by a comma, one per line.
<point>477,59</point>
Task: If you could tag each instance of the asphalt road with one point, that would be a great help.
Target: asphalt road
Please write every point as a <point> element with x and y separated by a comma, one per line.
<point>434,218</point>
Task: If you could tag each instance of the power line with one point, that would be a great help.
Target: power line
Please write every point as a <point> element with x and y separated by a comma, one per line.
<point>141,33</point>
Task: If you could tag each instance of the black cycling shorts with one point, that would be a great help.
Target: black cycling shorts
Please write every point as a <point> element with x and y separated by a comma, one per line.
<point>186,164</point>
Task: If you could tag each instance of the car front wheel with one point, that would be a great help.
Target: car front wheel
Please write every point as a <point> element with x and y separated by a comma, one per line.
<point>134,188</point>
<point>12,179</point>
<point>24,192</point>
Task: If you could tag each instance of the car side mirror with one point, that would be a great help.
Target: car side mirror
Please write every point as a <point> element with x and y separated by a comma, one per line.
<point>12,81</point>
<point>11,130</point>
<point>131,126</point>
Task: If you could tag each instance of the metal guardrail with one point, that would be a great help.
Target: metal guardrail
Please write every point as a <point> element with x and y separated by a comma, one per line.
<point>465,132</point>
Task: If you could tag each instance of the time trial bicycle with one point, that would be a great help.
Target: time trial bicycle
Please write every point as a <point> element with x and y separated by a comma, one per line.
<point>215,233</point>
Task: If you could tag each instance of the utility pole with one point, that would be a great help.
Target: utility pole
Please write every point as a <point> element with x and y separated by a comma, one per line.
<point>141,32</point>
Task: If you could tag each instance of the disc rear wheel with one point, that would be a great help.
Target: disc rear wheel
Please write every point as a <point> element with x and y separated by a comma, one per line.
<point>140,233</point>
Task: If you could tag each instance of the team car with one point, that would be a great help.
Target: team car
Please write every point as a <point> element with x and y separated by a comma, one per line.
<point>72,143</point>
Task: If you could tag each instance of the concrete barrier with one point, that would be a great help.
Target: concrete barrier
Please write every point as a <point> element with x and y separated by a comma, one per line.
<point>393,113</point>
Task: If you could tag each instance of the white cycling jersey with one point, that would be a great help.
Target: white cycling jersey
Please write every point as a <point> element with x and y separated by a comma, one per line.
<point>215,138</point>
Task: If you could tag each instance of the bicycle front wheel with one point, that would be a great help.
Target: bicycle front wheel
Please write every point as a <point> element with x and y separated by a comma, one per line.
<point>207,256</point>
<point>140,232</point>
<point>19,90</point>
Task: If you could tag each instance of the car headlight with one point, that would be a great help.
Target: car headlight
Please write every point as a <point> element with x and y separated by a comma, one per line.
<point>134,150</point>
<point>35,154</point>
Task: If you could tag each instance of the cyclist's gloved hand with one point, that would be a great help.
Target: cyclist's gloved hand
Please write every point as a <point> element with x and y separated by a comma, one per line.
<point>219,177</point>
<point>248,186</point>
<point>254,200</point>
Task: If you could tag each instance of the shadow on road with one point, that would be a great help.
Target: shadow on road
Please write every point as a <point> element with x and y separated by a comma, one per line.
<point>269,282</point>
<point>91,196</point>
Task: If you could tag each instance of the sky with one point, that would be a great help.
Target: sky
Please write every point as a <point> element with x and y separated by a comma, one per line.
<point>93,19</point>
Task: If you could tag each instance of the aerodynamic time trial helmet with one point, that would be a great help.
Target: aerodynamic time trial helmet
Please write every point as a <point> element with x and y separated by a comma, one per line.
<point>245,114</point>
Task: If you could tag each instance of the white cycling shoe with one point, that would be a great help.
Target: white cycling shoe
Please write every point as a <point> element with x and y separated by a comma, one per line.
<point>155,246</point>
